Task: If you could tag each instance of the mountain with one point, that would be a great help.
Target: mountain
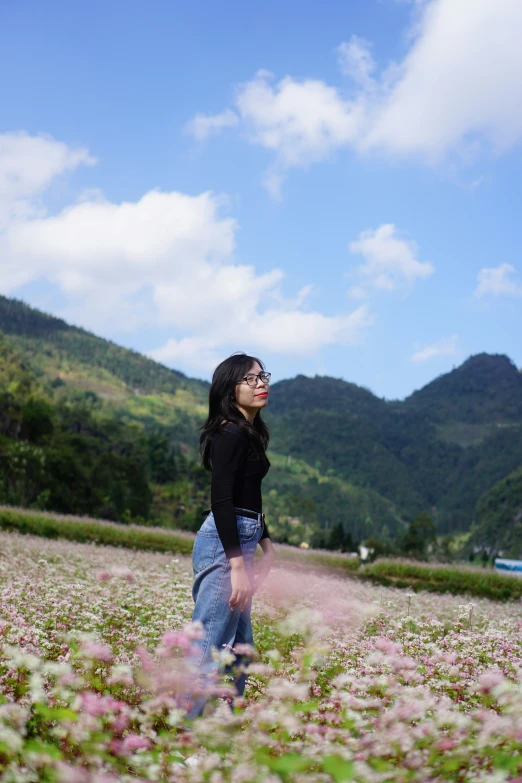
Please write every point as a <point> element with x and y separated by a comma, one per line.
<point>483,389</point>
<point>135,387</point>
<point>498,528</point>
<point>416,452</point>
<point>33,330</point>
<point>109,387</point>
<point>340,454</point>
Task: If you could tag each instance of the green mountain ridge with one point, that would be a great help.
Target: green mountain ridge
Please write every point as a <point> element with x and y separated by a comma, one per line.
<point>30,328</point>
<point>483,387</point>
<point>340,454</point>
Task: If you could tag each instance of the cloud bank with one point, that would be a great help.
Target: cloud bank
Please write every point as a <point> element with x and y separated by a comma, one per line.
<point>165,260</point>
<point>457,92</point>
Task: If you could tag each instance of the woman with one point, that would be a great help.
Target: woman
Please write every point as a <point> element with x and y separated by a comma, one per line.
<point>233,444</point>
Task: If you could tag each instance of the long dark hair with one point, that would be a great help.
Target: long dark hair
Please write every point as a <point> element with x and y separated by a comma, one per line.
<point>222,407</point>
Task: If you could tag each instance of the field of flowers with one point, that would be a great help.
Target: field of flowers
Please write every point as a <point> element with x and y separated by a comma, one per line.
<point>353,682</point>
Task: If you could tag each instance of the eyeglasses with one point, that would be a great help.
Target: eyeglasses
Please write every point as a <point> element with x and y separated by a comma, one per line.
<point>251,379</point>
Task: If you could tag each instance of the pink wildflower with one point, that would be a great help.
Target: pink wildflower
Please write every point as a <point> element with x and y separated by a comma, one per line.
<point>69,774</point>
<point>67,678</point>
<point>96,705</point>
<point>129,744</point>
<point>245,649</point>
<point>386,645</point>
<point>147,663</point>
<point>400,662</point>
<point>176,639</point>
<point>135,742</point>
<point>97,650</point>
<point>446,743</point>
<point>490,680</point>
<point>195,630</point>
<point>124,572</point>
<point>449,657</point>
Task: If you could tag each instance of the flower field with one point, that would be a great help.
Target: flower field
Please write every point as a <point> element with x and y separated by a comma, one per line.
<point>353,681</point>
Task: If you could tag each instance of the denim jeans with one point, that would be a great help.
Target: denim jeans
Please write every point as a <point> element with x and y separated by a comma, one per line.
<point>223,626</point>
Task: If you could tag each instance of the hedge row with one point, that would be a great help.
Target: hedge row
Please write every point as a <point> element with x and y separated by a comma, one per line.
<point>94,531</point>
<point>435,578</point>
<point>320,558</point>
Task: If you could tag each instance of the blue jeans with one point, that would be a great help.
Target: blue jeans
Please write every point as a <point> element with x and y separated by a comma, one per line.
<point>223,626</point>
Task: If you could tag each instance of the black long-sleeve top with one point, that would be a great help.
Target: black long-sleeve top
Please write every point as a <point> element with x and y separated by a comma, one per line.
<point>237,472</point>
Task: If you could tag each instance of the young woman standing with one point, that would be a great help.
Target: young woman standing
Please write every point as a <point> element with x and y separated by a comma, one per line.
<point>233,445</point>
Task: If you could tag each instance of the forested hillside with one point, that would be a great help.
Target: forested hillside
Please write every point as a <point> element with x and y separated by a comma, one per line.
<point>117,433</point>
<point>420,456</point>
<point>49,340</point>
<point>96,409</point>
<point>498,527</point>
<point>69,454</point>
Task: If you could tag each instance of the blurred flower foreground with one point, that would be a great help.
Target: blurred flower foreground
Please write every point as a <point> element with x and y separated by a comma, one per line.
<point>348,683</point>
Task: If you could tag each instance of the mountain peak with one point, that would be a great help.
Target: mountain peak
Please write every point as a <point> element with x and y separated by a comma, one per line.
<point>490,364</point>
<point>486,387</point>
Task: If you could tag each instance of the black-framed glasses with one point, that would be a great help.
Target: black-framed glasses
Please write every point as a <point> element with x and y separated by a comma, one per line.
<point>251,379</point>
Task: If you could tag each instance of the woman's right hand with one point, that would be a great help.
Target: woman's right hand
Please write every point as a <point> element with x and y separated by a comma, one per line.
<point>241,587</point>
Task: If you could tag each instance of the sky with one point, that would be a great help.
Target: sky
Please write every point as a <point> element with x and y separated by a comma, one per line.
<point>334,188</point>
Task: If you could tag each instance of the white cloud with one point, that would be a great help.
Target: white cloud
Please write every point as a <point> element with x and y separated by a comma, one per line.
<point>166,260</point>
<point>457,90</point>
<point>204,125</point>
<point>447,346</point>
<point>461,80</point>
<point>28,165</point>
<point>497,281</point>
<point>302,333</point>
<point>198,353</point>
<point>291,333</point>
<point>303,122</point>
<point>355,60</point>
<point>389,261</point>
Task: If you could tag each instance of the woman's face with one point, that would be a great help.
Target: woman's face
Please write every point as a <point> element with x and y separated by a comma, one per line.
<point>252,398</point>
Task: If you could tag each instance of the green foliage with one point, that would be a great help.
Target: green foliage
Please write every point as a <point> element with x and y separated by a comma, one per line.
<point>70,342</point>
<point>379,548</point>
<point>339,539</point>
<point>305,504</point>
<point>499,518</point>
<point>64,455</point>
<point>420,535</point>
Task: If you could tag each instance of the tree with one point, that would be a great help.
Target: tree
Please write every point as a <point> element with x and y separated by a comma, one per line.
<point>420,535</point>
<point>339,539</point>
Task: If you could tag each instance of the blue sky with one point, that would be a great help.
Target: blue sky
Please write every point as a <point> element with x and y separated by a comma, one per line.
<point>335,189</point>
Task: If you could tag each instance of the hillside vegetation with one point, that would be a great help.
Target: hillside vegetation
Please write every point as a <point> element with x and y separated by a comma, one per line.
<point>116,435</point>
<point>498,528</point>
